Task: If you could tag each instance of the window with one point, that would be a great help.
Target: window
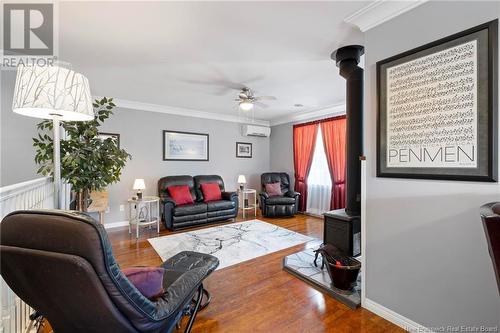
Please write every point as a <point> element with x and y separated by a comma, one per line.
<point>319,183</point>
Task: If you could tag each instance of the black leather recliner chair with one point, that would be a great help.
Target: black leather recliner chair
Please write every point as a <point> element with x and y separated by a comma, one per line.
<point>490,214</point>
<point>60,263</point>
<point>285,204</point>
<point>178,216</point>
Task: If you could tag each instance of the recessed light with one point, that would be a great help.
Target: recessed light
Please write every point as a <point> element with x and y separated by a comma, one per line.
<point>298,105</point>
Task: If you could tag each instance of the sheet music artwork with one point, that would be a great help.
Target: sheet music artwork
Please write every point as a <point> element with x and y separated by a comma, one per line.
<point>432,110</point>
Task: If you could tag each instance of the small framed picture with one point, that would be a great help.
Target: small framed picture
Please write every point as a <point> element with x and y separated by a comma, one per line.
<point>244,149</point>
<point>185,146</point>
<point>114,136</point>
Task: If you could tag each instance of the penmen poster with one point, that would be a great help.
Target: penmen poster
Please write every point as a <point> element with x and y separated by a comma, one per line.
<point>437,109</point>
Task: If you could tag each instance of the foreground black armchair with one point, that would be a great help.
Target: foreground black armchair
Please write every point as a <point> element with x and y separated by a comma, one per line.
<point>61,264</point>
<point>285,204</point>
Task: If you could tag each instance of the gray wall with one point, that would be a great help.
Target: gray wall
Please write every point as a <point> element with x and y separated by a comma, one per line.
<point>282,149</point>
<point>16,147</point>
<point>426,253</point>
<point>141,135</point>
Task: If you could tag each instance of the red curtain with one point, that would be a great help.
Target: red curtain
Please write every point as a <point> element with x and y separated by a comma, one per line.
<point>334,140</point>
<point>304,141</point>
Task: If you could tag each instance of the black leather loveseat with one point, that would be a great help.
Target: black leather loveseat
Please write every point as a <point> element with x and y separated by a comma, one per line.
<point>178,216</point>
<point>285,204</point>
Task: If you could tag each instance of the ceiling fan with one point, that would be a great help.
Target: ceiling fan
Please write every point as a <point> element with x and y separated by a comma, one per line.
<point>246,99</point>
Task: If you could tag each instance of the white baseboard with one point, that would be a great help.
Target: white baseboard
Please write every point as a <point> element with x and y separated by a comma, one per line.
<point>115,224</point>
<point>395,318</point>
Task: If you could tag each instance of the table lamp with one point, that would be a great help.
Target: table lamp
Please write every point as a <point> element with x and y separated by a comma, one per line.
<point>55,93</point>
<point>242,181</point>
<point>139,185</point>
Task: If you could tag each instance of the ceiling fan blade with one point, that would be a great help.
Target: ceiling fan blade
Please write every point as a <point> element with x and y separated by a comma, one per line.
<point>226,87</point>
<point>265,98</point>
<point>221,87</point>
<point>261,105</point>
<point>218,78</point>
<point>254,79</point>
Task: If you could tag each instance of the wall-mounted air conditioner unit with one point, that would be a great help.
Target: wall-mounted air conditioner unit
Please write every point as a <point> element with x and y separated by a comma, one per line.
<point>252,130</point>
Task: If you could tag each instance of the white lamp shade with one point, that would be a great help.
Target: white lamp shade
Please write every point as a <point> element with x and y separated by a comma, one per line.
<point>44,92</point>
<point>139,184</point>
<point>242,179</point>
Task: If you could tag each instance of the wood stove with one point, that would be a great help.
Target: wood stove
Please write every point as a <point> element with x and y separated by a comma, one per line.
<point>343,227</point>
<point>343,231</point>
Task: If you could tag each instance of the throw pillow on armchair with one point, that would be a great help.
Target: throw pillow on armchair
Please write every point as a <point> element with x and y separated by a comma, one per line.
<point>273,189</point>
<point>148,280</point>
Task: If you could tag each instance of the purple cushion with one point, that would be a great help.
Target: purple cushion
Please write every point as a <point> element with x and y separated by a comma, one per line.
<point>148,280</point>
<point>273,189</point>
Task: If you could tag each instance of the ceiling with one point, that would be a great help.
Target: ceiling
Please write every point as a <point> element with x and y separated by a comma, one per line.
<point>189,54</point>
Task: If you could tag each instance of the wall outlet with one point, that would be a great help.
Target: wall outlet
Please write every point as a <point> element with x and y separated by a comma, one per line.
<point>122,208</point>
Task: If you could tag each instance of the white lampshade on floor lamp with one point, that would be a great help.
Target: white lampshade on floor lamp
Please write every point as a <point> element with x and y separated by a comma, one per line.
<point>55,93</point>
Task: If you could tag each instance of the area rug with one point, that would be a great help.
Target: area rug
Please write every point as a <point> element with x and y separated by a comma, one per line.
<point>232,243</point>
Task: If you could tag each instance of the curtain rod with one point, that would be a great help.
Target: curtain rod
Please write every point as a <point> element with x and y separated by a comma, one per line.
<point>319,121</point>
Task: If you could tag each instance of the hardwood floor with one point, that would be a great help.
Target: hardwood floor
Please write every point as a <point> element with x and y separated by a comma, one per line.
<point>257,295</point>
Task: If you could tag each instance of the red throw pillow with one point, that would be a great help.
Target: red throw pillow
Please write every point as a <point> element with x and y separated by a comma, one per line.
<point>148,280</point>
<point>273,189</point>
<point>211,192</point>
<point>180,194</point>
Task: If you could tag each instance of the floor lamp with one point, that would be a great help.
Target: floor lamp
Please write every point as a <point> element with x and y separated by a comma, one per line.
<point>55,93</point>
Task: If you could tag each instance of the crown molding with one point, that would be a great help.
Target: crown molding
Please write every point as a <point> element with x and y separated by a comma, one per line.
<point>332,110</point>
<point>133,105</point>
<point>380,11</point>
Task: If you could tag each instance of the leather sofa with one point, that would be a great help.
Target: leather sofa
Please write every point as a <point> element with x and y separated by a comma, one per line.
<point>179,216</point>
<point>285,204</point>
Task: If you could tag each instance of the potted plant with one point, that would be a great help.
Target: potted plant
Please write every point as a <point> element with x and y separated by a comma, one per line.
<point>88,163</point>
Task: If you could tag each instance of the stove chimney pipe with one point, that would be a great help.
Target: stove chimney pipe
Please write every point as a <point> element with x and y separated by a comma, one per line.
<point>347,59</point>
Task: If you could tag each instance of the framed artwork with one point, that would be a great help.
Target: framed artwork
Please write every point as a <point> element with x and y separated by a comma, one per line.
<point>437,109</point>
<point>104,136</point>
<point>244,149</point>
<point>185,146</point>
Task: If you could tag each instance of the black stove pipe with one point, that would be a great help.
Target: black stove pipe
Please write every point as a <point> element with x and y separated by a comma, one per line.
<point>347,59</point>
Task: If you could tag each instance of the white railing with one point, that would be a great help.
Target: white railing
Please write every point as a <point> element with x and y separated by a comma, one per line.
<point>37,193</point>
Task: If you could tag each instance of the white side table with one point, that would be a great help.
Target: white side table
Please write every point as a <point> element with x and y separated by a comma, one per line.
<point>144,212</point>
<point>244,198</point>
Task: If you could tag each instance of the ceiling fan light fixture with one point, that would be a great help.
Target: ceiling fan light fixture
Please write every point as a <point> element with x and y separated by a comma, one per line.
<point>246,105</point>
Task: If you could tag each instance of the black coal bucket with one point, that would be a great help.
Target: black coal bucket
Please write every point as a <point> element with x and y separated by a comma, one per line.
<point>343,270</point>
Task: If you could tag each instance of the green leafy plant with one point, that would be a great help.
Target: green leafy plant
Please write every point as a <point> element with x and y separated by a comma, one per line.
<point>87,162</point>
